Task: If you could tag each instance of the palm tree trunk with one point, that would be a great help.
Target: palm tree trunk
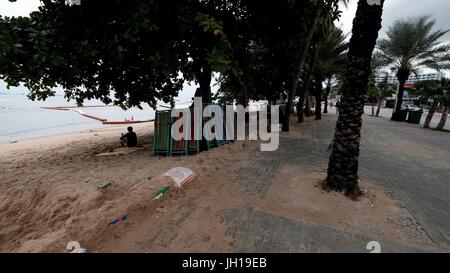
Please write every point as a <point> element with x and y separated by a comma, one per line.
<point>306,94</point>
<point>296,75</point>
<point>328,91</point>
<point>318,97</point>
<point>307,106</point>
<point>300,104</point>
<point>443,120</point>
<point>430,116</point>
<point>400,94</point>
<point>379,108</point>
<point>343,163</point>
<point>309,78</point>
<point>402,78</point>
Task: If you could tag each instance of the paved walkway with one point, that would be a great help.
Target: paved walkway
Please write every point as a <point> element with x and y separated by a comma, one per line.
<point>413,163</point>
<point>261,204</point>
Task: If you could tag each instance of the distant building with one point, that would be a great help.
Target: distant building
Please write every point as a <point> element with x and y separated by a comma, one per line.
<point>407,99</point>
<point>392,79</point>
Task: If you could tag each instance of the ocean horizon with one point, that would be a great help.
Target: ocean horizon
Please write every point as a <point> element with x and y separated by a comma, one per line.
<point>21,118</point>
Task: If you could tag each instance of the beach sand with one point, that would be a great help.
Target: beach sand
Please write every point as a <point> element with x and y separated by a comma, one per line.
<point>49,197</point>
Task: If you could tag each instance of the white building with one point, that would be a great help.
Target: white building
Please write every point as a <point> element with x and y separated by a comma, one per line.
<point>392,79</point>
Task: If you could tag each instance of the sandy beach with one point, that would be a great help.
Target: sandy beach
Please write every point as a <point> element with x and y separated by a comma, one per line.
<point>49,197</point>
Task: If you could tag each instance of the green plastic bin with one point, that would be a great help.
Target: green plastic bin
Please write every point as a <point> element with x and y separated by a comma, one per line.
<point>400,116</point>
<point>414,117</point>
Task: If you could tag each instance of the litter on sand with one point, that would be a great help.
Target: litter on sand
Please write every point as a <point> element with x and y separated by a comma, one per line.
<point>75,247</point>
<point>103,185</point>
<point>180,176</point>
<point>117,221</point>
<point>161,192</point>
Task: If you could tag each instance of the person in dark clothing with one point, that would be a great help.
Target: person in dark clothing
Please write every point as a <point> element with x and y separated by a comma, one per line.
<point>130,138</point>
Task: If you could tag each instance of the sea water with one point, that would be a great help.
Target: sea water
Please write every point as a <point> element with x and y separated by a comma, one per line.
<point>21,118</point>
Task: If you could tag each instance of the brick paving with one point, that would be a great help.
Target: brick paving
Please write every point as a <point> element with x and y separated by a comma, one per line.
<point>413,163</point>
<point>258,231</point>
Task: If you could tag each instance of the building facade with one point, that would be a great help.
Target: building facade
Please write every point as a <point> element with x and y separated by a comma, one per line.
<point>392,79</point>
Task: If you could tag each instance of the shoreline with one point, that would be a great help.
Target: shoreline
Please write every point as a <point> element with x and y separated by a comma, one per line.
<point>29,138</point>
<point>58,139</point>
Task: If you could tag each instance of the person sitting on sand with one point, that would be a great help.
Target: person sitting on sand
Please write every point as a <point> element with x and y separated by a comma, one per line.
<point>130,138</point>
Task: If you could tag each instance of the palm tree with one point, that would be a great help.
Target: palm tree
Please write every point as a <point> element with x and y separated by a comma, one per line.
<point>410,45</point>
<point>385,90</point>
<point>445,99</point>
<point>321,8</point>
<point>304,91</point>
<point>373,94</point>
<point>331,61</point>
<point>443,120</point>
<point>430,90</point>
<point>343,163</point>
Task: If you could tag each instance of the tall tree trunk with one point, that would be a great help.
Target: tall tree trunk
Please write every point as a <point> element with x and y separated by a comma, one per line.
<point>318,97</point>
<point>298,71</point>
<point>307,106</point>
<point>242,98</point>
<point>204,75</point>
<point>327,94</point>
<point>300,105</point>
<point>306,96</point>
<point>379,108</point>
<point>343,163</point>
<point>309,78</point>
<point>373,109</point>
<point>443,120</point>
<point>402,77</point>
<point>430,115</point>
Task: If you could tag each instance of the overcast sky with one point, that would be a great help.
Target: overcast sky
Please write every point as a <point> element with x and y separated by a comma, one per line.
<point>396,9</point>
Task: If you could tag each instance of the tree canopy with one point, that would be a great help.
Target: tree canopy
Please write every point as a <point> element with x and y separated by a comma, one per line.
<point>135,51</point>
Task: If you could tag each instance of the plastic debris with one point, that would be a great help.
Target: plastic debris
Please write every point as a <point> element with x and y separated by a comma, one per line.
<point>117,221</point>
<point>180,176</point>
<point>103,185</point>
<point>75,247</point>
<point>161,192</point>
